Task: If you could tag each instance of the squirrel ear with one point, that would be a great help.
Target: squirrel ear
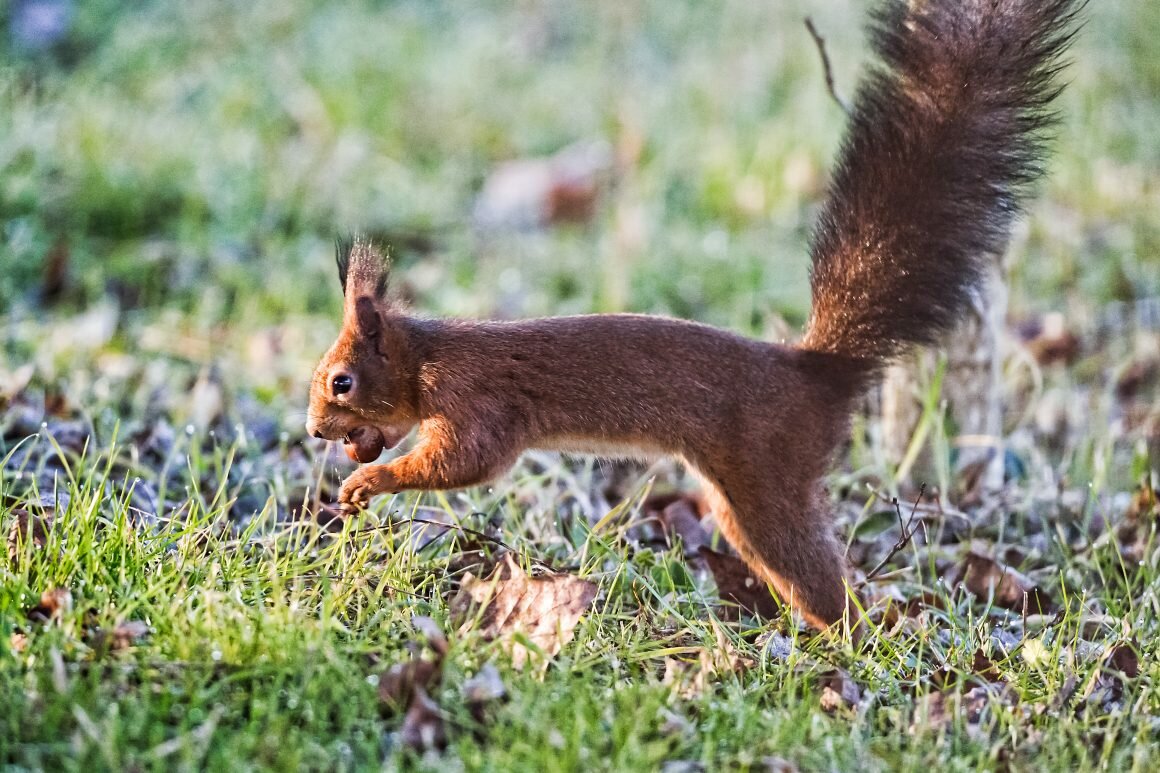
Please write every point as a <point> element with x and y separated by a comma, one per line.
<point>362,269</point>
<point>366,317</point>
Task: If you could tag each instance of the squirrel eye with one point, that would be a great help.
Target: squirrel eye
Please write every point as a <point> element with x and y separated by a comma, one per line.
<point>341,384</point>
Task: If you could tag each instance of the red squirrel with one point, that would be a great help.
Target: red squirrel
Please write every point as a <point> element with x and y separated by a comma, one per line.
<point>945,135</point>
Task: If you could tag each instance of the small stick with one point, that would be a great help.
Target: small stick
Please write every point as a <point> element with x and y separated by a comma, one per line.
<point>449,526</point>
<point>903,538</point>
<point>820,42</point>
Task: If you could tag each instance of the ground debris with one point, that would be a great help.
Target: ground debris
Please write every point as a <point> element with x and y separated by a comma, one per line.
<point>838,691</point>
<point>28,528</point>
<point>406,687</point>
<point>986,578</point>
<point>528,614</point>
<point>54,604</point>
<point>121,637</point>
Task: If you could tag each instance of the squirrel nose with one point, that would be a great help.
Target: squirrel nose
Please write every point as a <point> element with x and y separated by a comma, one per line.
<point>317,434</point>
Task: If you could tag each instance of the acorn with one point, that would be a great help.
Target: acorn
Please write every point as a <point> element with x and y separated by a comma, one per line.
<point>364,444</point>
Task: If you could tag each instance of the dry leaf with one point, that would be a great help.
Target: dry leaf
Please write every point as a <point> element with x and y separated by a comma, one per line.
<point>986,578</point>
<point>54,604</point>
<point>1123,657</point>
<point>1135,379</point>
<point>669,519</point>
<point>737,584</point>
<point>423,724</point>
<point>931,713</point>
<point>400,683</point>
<point>680,520</point>
<point>432,633</point>
<point>18,642</point>
<point>510,605</point>
<point>983,666</point>
<point>27,527</point>
<point>976,700</point>
<point>839,691</point>
<point>531,193</point>
<point>123,636</point>
<point>1065,694</point>
<point>1049,341</point>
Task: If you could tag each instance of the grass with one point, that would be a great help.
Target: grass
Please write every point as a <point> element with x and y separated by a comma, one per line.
<point>186,166</point>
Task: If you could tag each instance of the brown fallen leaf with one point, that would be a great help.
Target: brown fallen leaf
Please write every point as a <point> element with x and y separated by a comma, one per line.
<point>423,726</point>
<point>1049,340</point>
<point>735,583</point>
<point>534,192</point>
<point>431,631</point>
<point>1135,379</point>
<point>27,527</point>
<point>54,604</point>
<point>409,684</point>
<point>123,636</point>
<point>1066,692</point>
<point>1119,665</point>
<point>514,608</point>
<point>401,683</point>
<point>985,578</point>
<point>680,520</point>
<point>1144,504</point>
<point>938,710</point>
<point>977,700</point>
<point>669,519</point>
<point>983,666</point>
<point>932,713</point>
<point>839,691</point>
<point>1123,657</point>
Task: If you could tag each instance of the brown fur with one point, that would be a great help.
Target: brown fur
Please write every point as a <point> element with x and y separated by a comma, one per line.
<point>942,142</point>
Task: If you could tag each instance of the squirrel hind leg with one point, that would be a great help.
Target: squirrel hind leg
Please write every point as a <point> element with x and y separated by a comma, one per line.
<point>790,545</point>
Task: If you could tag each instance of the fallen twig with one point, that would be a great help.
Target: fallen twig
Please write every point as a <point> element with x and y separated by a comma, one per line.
<point>903,538</point>
<point>820,42</point>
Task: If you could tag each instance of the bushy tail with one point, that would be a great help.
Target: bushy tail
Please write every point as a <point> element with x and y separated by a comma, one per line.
<point>945,136</point>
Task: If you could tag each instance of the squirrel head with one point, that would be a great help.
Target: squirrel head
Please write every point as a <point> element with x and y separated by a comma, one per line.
<point>363,382</point>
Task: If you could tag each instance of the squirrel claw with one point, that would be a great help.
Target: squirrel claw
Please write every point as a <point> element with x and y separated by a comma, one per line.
<point>357,490</point>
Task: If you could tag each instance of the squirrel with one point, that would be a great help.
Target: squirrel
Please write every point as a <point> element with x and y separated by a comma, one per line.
<point>945,136</point>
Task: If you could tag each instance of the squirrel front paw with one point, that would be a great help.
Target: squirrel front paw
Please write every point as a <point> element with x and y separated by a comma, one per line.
<point>364,483</point>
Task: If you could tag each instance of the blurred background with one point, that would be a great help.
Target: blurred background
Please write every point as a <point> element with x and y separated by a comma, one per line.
<point>173,176</point>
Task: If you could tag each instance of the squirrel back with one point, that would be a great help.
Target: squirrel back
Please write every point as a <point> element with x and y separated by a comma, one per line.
<point>945,136</point>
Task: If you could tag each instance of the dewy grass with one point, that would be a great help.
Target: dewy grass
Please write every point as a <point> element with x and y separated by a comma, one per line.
<point>265,644</point>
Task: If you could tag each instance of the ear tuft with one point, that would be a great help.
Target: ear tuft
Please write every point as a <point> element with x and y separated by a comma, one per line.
<point>342,250</point>
<point>362,268</point>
